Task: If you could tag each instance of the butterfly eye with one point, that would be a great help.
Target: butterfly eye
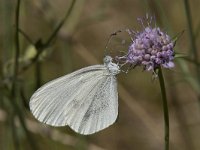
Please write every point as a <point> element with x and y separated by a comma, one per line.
<point>107,59</point>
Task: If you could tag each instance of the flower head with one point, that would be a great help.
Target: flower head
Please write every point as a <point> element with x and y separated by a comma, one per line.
<point>150,48</point>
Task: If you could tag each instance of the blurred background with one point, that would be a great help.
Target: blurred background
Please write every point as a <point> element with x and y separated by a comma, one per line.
<point>57,37</point>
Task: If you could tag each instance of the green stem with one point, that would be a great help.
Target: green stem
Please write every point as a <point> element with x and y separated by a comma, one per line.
<point>17,50</point>
<point>60,24</point>
<point>191,35</point>
<point>38,74</point>
<point>16,65</point>
<point>14,133</point>
<point>13,95</point>
<point>165,108</point>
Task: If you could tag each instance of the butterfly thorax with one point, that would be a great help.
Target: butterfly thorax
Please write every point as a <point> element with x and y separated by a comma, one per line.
<point>112,67</point>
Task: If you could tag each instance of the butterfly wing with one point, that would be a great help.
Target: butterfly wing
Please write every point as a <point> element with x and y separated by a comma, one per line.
<point>86,100</point>
<point>100,107</point>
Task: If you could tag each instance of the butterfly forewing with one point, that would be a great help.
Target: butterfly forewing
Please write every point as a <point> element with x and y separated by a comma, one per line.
<point>86,100</point>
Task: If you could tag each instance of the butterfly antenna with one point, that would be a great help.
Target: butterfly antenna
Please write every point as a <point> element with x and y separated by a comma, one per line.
<point>109,40</point>
<point>130,33</point>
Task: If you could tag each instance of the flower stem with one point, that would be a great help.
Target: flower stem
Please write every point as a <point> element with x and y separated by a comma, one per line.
<point>165,107</point>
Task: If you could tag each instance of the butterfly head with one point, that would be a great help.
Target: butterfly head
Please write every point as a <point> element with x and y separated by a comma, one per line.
<point>112,67</point>
<point>107,59</point>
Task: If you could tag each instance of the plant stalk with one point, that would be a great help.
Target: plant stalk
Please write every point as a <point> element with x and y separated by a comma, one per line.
<point>165,107</point>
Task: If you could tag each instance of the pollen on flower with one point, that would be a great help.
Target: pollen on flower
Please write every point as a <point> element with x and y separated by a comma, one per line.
<point>149,48</point>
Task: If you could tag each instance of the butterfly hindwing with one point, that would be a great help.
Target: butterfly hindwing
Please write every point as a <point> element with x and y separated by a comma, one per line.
<point>99,110</point>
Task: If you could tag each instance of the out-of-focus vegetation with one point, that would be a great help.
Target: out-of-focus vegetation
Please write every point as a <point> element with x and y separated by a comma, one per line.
<point>57,37</point>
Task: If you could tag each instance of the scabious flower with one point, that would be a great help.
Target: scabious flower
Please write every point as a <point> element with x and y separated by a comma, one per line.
<point>150,47</point>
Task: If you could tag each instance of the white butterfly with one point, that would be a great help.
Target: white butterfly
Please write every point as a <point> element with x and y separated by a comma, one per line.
<point>86,100</point>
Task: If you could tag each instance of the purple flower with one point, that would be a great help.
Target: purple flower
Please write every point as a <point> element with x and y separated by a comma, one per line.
<point>150,48</point>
